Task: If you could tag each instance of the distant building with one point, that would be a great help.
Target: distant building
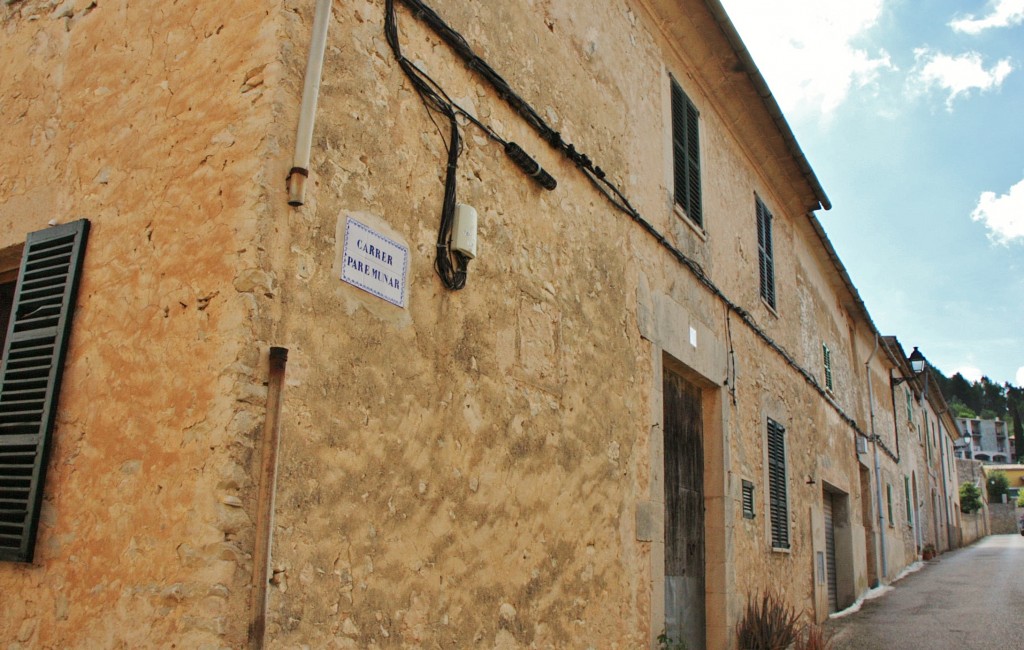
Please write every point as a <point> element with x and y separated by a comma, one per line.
<point>989,441</point>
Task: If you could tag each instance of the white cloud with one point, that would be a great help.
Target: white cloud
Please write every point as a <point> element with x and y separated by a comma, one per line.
<point>970,373</point>
<point>1006,13</point>
<point>958,75</point>
<point>1019,379</point>
<point>1003,215</point>
<point>806,50</point>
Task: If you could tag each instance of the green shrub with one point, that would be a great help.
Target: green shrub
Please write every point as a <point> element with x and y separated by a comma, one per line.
<point>665,642</point>
<point>970,498</point>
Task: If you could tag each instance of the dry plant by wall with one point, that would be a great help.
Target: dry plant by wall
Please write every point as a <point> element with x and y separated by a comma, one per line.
<point>768,623</point>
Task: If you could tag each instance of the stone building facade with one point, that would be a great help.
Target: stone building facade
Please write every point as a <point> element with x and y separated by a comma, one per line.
<point>651,400</point>
<point>989,440</point>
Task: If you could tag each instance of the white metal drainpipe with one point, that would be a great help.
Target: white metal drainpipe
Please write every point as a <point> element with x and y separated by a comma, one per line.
<point>307,112</point>
<point>883,564</point>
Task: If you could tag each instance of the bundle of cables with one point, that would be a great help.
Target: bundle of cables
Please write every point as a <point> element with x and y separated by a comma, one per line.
<point>451,264</point>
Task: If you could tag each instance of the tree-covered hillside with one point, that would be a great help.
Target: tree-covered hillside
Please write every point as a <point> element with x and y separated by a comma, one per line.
<point>984,399</point>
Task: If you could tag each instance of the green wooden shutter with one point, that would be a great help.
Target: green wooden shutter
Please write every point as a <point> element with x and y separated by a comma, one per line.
<point>826,356</point>
<point>777,499</point>
<point>906,491</point>
<point>888,500</point>
<point>686,154</point>
<point>30,376</point>
<point>764,253</point>
<point>694,209</point>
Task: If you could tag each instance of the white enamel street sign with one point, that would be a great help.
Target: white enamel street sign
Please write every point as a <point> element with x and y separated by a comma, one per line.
<point>374,263</point>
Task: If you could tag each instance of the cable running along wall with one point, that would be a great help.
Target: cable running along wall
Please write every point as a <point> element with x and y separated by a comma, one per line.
<point>437,100</point>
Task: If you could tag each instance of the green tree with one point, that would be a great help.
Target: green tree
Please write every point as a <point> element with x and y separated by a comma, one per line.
<point>1015,403</point>
<point>970,497</point>
<point>998,485</point>
<point>960,409</point>
<point>993,397</point>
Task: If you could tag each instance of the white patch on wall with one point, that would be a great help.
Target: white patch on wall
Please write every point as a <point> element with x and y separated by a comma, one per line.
<point>374,262</point>
<point>693,337</point>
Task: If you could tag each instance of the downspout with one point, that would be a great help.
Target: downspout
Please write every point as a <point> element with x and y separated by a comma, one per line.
<point>883,568</point>
<point>307,111</point>
<point>265,500</point>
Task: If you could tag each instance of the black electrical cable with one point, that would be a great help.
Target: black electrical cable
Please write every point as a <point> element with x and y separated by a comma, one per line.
<point>450,265</point>
<point>599,180</point>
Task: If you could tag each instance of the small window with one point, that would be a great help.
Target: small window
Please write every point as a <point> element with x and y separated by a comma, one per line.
<point>764,252</point>
<point>777,497</point>
<point>748,500</point>
<point>910,408</point>
<point>910,505</point>
<point>686,155</point>
<point>826,358</point>
<point>888,496</point>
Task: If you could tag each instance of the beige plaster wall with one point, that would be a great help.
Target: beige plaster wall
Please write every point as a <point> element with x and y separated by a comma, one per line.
<point>151,120</point>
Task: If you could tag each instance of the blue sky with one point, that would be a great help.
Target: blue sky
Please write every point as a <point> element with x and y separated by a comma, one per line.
<point>912,116</point>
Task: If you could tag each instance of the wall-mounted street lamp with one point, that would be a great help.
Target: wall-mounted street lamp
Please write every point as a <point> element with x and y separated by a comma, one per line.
<point>917,364</point>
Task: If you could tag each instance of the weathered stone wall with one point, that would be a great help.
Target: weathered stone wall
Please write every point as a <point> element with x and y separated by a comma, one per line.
<point>1003,518</point>
<point>470,470</point>
<point>151,120</point>
<point>479,468</point>
<point>974,526</point>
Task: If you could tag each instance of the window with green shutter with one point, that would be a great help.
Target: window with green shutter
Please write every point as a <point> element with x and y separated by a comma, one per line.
<point>910,504</point>
<point>777,497</point>
<point>686,155</point>
<point>30,377</point>
<point>888,496</point>
<point>826,358</point>
<point>765,257</point>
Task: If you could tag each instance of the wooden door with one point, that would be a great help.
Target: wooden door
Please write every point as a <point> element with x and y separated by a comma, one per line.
<point>684,512</point>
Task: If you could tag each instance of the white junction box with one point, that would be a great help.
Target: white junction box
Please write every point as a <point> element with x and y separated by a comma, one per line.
<point>464,230</point>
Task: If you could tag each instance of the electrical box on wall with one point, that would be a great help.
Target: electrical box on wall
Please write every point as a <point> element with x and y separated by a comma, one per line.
<point>464,230</point>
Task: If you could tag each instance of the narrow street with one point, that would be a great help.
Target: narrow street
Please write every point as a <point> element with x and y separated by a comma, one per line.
<point>969,598</point>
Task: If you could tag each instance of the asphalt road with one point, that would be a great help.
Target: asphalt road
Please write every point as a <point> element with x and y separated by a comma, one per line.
<point>969,598</point>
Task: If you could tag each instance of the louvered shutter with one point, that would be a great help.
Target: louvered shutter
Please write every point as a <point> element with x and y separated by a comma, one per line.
<point>778,503</point>
<point>693,208</point>
<point>764,253</point>
<point>826,356</point>
<point>30,375</point>
<point>686,154</point>
<point>679,144</point>
<point>748,500</point>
